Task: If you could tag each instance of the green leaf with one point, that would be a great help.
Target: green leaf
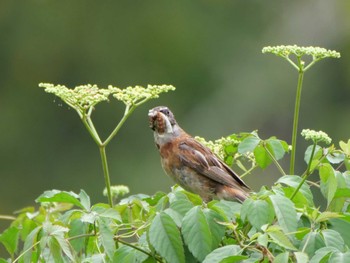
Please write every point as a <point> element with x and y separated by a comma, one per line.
<point>276,148</point>
<point>110,213</point>
<point>59,196</point>
<point>285,213</point>
<point>221,253</point>
<point>260,213</point>
<point>311,243</point>
<point>345,147</point>
<point>342,226</point>
<point>106,237</point>
<point>339,257</point>
<point>263,240</point>
<point>328,182</point>
<point>333,239</point>
<point>248,144</point>
<point>217,230</point>
<point>179,206</point>
<point>30,241</point>
<point>55,251</point>
<point>280,238</point>
<point>84,199</point>
<point>196,233</point>
<point>9,238</point>
<point>325,216</point>
<point>282,258</point>
<point>262,158</point>
<point>76,228</point>
<point>294,181</point>
<point>166,239</point>
<point>129,255</point>
<point>301,257</point>
<point>228,209</point>
<point>317,153</point>
<point>322,255</point>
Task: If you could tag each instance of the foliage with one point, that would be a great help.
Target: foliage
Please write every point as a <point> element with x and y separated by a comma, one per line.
<point>280,223</point>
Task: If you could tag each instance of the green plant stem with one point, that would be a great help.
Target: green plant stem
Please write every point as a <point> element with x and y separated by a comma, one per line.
<point>127,113</point>
<point>296,117</point>
<point>25,251</point>
<point>307,173</point>
<point>106,174</point>
<point>5,217</point>
<point>279,167</point>
<point>249,170</point>
<point>139,249</point>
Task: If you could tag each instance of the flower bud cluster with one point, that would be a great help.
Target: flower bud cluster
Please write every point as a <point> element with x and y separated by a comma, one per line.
<point>133,95</point>
<point>316,52</point>
<point>316,136</point>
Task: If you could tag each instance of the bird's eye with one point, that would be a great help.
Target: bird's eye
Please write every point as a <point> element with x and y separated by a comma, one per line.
<point>166,112</point>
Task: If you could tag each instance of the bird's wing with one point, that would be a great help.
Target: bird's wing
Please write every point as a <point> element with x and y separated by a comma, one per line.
<point>198,157</point>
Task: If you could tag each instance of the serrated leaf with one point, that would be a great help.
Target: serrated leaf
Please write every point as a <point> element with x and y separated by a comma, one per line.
<point>59,196</point>
<point>221,253</point>
<point>262,158</point>
<point>260,213</point>
<point>84,199</point>
<point>328,182</point>
<point>166,239</point>
<point>294,181</point>
<point>317,153</point>
<point>339,257</point>
<point>77,228</point>
<point>326,216</point>
<point>285,213</point>
<point>280,238</point>
<point>129,255</point>
<point>179,206</point>
<point>276,148</point>
<point>216,229</point>
<point>311,243</point>
<point>9,238</point>
<point>345,147</point>
<point>110,213</point>
<point>29,243</point>
<point>281,258</point>
<point>342,227</point>
<point>322,255</point>
<point>227,209</point>
<point>333,239</point>
<point>106,237</point>
<point>301,257</point>
<point>55,251</point>
<point>248,144</point>
<point>263,240</point>
<point>196,233</point>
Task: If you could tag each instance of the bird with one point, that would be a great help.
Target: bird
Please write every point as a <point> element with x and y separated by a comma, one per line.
<point>191,164</point>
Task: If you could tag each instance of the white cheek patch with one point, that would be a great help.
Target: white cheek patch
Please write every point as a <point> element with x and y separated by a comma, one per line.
<point>169,127</point>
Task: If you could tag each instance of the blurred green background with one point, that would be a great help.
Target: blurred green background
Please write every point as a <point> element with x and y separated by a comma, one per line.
<point>209,50</point>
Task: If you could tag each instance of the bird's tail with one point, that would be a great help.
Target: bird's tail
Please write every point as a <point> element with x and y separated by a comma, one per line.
<point>233,194</point>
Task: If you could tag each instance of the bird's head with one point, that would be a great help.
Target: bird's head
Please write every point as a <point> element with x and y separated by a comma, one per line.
<point>162,121</point>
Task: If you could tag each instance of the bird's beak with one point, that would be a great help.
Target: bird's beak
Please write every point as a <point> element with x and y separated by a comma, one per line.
<point>159,122</point>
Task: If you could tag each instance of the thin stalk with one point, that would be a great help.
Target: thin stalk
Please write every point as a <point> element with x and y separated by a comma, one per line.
<point>25,251</point>
<point>279,167</point>
<point>249,170</point>
<point>296,117</point>
<point>5,217</point>
<point>140,249</point>
<point>106,174</point>
<point>126,115</point>
<point>307,173</point>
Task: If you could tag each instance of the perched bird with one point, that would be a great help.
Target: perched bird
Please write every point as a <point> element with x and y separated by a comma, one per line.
<point>191,164</point>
